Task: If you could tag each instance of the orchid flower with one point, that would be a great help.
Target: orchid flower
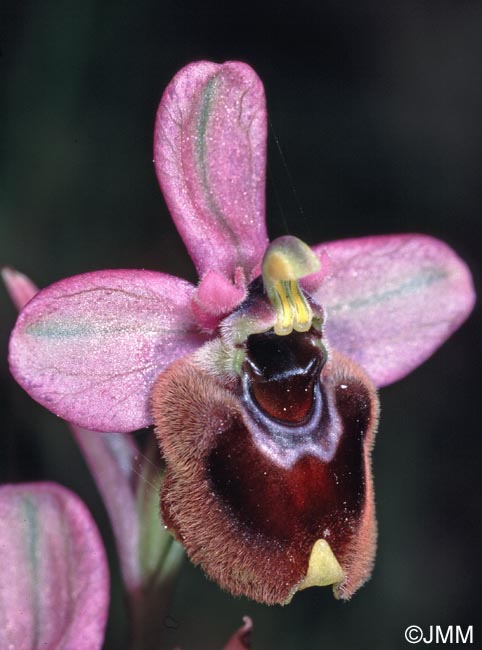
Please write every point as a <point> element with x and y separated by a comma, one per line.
<point>261,380</point>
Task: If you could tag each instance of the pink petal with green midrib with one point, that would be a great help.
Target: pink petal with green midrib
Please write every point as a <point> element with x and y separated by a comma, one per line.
<point>391,301</point>
<point>210,157</point>
<point>54,582</point>
<point>89,348</point>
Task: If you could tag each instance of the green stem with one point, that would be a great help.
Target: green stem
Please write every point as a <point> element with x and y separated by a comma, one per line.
<point>160,558</point>
<point>151,611</point>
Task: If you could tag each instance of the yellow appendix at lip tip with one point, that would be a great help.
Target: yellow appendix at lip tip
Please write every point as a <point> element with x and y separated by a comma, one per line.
<point>287,260</point>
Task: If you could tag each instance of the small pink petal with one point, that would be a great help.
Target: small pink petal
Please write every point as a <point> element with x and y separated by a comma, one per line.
<point>210,157</point>
<point>54,582</point>
<point>89,348</point>
<point>216,297</point>
<point>391,301</point>
<point>241,639</point>
<point>311,283</point>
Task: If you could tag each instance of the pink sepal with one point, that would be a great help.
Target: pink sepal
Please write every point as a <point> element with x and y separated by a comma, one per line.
<point>210,158</point>
<point>391,301</point>
<point>89,348</point>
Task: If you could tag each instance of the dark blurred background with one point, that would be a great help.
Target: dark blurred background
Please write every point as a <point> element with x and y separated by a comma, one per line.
<point>378,111</point>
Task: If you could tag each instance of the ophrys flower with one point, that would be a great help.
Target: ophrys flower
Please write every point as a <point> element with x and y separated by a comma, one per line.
<point>260,380</point>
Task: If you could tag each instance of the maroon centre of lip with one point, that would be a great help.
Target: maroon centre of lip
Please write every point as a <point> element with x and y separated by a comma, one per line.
<point>313,498</point>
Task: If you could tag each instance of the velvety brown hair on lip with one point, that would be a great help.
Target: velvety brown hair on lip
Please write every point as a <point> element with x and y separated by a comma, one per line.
<point>248,521</point>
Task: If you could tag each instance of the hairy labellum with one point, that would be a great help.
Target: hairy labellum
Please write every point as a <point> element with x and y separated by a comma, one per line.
<point>268,481</point>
